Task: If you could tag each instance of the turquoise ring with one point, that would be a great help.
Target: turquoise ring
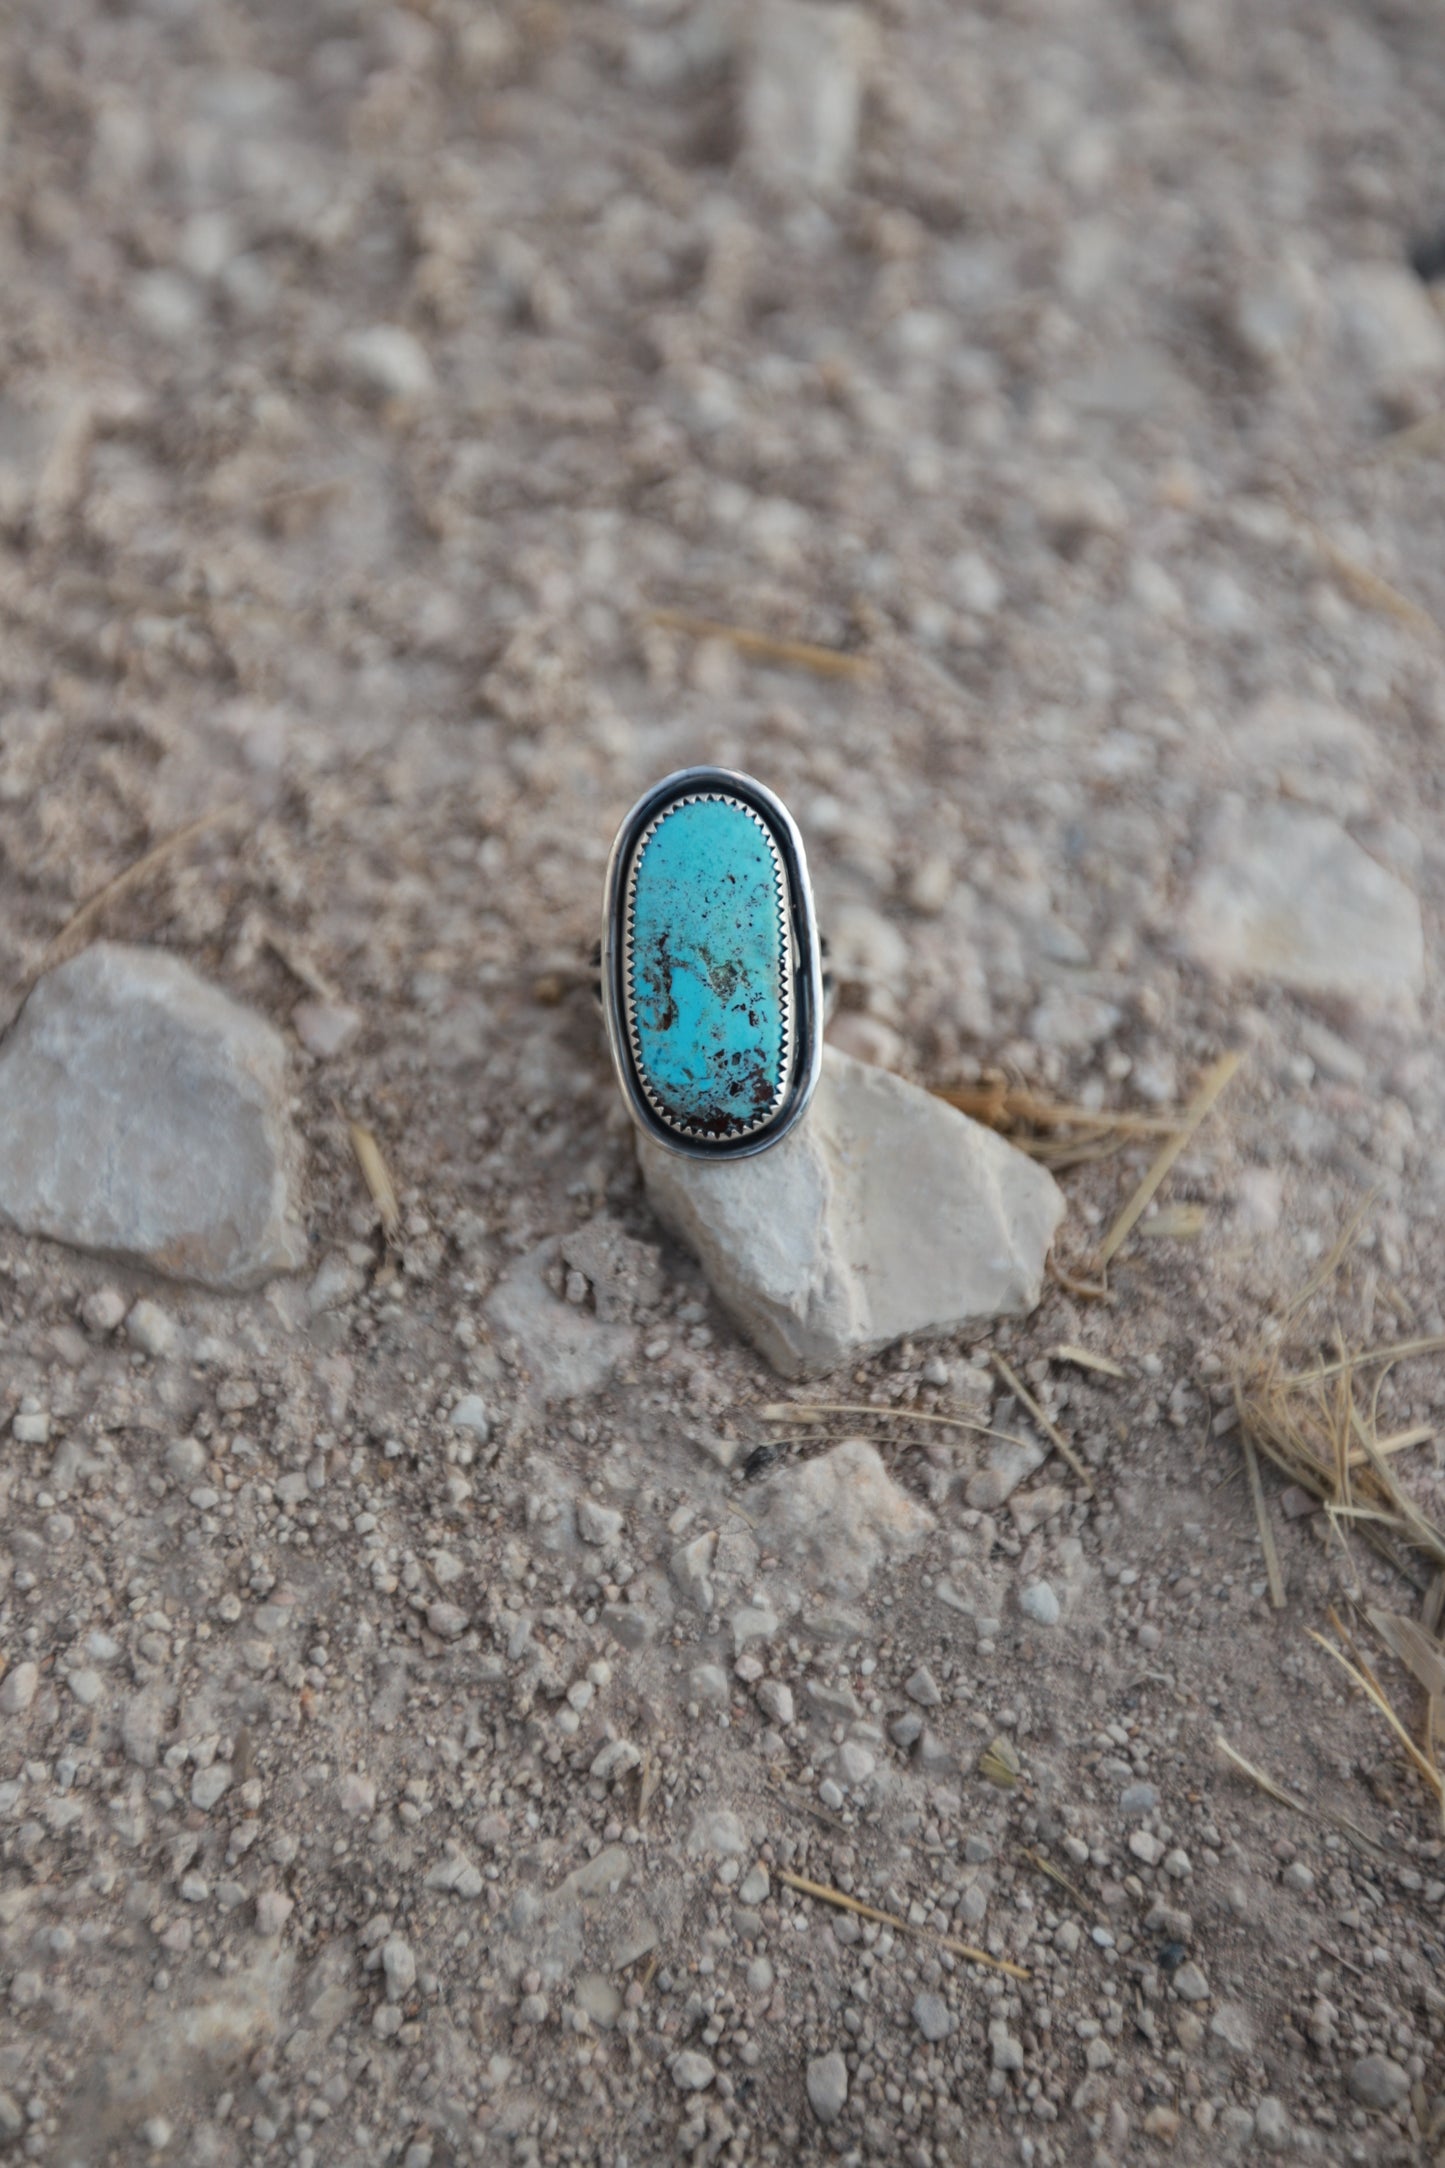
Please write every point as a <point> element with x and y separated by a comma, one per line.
<point>712,979</point>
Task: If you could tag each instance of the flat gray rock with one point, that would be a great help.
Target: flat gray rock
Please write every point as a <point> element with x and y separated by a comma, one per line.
<point>146,1119</point>
<point>839,1516</point>
<point>568,1351</point>
<point>885,1212</point>
<point>1288,895</point>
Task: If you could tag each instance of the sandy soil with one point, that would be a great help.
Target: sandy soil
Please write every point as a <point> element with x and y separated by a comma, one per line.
<point>1065,412</point>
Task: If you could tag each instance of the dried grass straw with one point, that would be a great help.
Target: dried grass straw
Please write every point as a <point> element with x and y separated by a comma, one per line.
<point>377,1177</point>
<point>827,1895</point>
<point>767,647</point>
<point>1320,1426</point>
<point>1053,1131</point>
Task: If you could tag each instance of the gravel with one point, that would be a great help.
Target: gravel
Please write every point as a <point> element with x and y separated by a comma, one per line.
<point>1378,2081</point>
<point>827,2084</point>
<point>1039,1603</point>
<point>932,2016</point>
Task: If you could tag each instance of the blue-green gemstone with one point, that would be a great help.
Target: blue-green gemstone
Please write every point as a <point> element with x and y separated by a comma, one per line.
<point>707,967</point>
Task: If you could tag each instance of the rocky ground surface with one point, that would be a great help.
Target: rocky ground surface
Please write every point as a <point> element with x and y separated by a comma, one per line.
<point>422,1672</point>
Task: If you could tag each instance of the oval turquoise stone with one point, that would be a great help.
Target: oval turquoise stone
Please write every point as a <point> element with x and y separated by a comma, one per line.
<point>707,967</point>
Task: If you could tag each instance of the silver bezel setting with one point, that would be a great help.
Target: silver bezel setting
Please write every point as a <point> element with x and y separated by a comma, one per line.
<point>802,991</point>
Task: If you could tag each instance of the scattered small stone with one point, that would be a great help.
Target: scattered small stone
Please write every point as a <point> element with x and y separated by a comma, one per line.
<point>1298,1877</point>
<point>470,1413</point>
<point>1272,2127</point>
<point>87,1687</point>
<point>615,1760</point>
<point>1005,2052</point>
<point>923,1688</point>
<point>17,1689</point>
<point>775,1700</point>
<point>691,1568</point>
<point>1377,2081</point>
<point>717,1831</point>
<point>210,1786</point>
<point>854,1763</point>
<point>1232,2024</point>
<point>455,1874</point>
<point>707,1684</point>
<point>827,2083</point>
<point>398,1963</point>
<point>186,1459</point>
<point>692,2072</point>
<point>390,362</point>
<point>1138,1799</point>
<point>1030,1509</point>
<point>1007,1463</point>
<point>446,1620</point>
<point>932,2016</point>
<point>598,1525</point>
<point>357,1794</point>
<point>273,1909</point>
<point>1145,1847</point>
<point>1190,1984</point>
<point>31,1424</point>
<point>102,1310</point>
<point>1040,1604</point>
<point>325,1028</point>
<point>147,1116</point>
<point>152,1330</point>
<point>754,1887</point>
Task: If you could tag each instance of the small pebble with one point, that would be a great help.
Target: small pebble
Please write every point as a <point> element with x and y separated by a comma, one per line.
<point>932,2016</point>
<point>152,1330</point>
<point>1377,2081</point>
<point>210,1786</point>
<point>775,1700</point>
<point>102,1310</point>
<point>17,1689</point>
<point>1040,1604</point>
<point>1005,2052</point>
<point>827,2083</point>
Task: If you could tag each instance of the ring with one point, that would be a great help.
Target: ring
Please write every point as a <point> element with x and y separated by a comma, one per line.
<point>712,977</point>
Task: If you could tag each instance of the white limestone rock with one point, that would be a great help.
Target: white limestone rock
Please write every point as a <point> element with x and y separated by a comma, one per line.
<point>146,1118</point>
<point>885,1212</point>
<point>803,94</point>
<point>1286,894</point>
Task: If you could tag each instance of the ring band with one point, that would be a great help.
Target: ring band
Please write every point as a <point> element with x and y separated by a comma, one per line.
<point>712,981</point>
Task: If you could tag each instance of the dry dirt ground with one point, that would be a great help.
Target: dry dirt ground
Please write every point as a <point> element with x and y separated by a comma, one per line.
<point>373,1804</point>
